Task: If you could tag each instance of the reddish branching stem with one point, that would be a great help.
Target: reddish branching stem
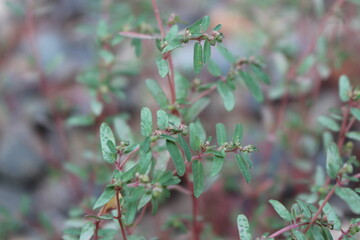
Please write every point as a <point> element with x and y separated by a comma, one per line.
<point>285,229</point>
<point>119,214</point>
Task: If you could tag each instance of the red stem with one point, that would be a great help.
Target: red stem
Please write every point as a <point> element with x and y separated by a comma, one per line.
<point>285,229</point>
<point>119,216</point>
<point>327,198</point>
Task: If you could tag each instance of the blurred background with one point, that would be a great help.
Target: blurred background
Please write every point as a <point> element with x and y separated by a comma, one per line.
<point>64,69</point>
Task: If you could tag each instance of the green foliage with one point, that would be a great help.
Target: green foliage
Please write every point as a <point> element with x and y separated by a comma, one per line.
<point>243,227</point>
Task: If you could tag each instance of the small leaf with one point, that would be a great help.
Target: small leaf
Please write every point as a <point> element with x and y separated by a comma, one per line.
<point>304,208</point>
<point>350,197</point>
<point>145,198</point>
<point>182,87</point>
<point>195,109</point>
<point>252,86</point>
<point>162,66</point>
<point>213,68</point>
<point>162,119</point>
<point>216,166</point>
<point>329,123</point>
<point>87,231</point>
<point>175,43</point>
<point>298,235</point>
<point>344,88</point>
<point>105,197</point>
<point>205,23</point>
<point>207,51</point>
<point>146,122</point>
<point>217,28</point>
<point>185,147</point>
<point>172,33</point>
<point>306,65</point>
<point>331,215</point>
<point>243,227</point>
<point>122,129</point>
<point>226,53</point>
<point>356,113</point>
<point>136,42</point>
<point>198,58</point>
<point>333,160</point>
<point>238,133</point>
<point>105,136</point>
<point>281,210</point>
<point>198,175</point>
<point>220,134</point>
<point>226,95</point>
<point>353,135</point>
<point>80,121</point>
<point>194,138</point>
<point>157,93</point>
<point>107,56</point>
<point>244,168</point>
<point>176,157</point>
<point>260,74</point>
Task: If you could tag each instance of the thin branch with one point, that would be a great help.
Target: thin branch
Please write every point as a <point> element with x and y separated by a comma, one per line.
<point>285,229</point>
<point>327,198</point>
<point>119,216</point>
<point>180,189</point>
<point>130,155</point>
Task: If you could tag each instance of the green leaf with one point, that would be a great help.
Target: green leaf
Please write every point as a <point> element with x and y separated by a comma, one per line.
<point>238,133</point>
<point>304,208</point>
<point>331,215</point>
<point>198,175</point>
<point>244,168</point>
<point>105,197</point>
<point>182,87</point>
<point>350,197</point>
<point>344,88</point>
<point>162,119</point>
<point>243,227</point>
<point>198,58</point>
<point>105,136</point>
<point>200,25</point>
<point>252,85</point>
<point>136,42</point>
<point>221,134</point>
<point>196,109</point>
<point>226,95</point>
<point>298,235</point>
<point>213,68</point>
<point>131,209</point>
<point>205,23</point>
<point>157,93</point>
<point>353,135</point>
<point>80,121</point>
<point>246,158</point>
<point>281,210</point>
<point>173,44</point>
<point>162,66</point>
<point>333,160</point>
<point>194,137</point>
<point>356,113</point>
<point>217,28</point>
<point>122,129</point>
<point>260,74</point>
<point>172,33</point>
<point>107,56</point>
<point>306,65</point>
<point>185,147</point>
<point>146,122</point>
<point>176,157</point>
<point>207,51</point>
<point>216,166</point>
<point>87,231</point>
<point>226,53</point>
<point>329,123</point>
<point>145,198</point>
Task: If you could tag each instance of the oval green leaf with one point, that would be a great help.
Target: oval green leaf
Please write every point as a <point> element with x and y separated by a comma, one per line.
<point>226,95</point>
<point>198,176</point>
<point>198,58</point>
<point>176,157</point>
<point>105,136</point>
<point>87,231</point>
<point>281,210</point>
<point>243,227</point>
